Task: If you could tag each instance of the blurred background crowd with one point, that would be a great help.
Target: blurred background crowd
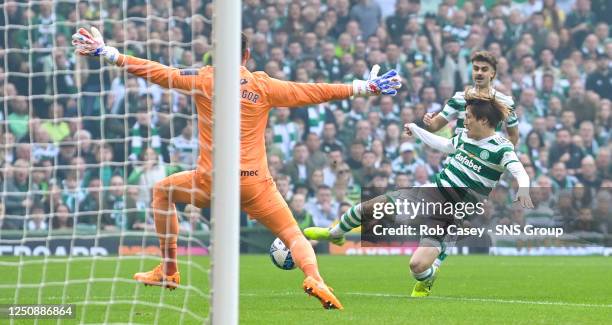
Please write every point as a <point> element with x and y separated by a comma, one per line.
<point>82,143</point>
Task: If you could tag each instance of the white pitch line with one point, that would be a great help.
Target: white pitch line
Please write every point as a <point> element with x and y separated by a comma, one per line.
<point>495,300</point>
<point>370,294</point>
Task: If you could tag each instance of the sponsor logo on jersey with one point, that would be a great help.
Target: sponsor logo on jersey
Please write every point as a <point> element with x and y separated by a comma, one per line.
<point>189,72</point>
<point>468,162</point>
<point>246,173</point>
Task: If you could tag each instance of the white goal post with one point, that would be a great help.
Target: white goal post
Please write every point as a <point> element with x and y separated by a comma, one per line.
<point>225,239</point>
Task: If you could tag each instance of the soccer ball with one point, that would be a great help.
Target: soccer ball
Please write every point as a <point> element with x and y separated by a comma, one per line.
<point>281,255</point>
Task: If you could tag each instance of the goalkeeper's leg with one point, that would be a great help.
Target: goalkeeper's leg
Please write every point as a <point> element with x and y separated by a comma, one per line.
<point>283,225</point>
<point>184,187</point>
<point>266,205</point>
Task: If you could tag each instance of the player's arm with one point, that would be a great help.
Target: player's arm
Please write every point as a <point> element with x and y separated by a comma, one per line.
<point>435,141</point>
<point>295,94</point>
<point>434,122</point>
<point>92,44</point>
<point>511,162</point>
<point>513,134</point>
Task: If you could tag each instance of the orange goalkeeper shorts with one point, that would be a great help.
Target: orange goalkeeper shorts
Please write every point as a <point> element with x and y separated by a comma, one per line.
<point>259,200</point>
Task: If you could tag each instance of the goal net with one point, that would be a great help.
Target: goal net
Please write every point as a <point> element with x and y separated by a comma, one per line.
<point>82,144</point>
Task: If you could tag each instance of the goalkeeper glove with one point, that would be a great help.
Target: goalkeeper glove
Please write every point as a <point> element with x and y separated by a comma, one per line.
<point>386,84</point>
<point>92,44</point>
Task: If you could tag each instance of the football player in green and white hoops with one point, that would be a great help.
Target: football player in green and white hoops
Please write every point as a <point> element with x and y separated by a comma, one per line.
<point>478,157</point>
<point>484,69</point>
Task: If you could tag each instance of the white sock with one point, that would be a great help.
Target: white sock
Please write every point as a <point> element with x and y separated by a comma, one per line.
<point>425,275</point>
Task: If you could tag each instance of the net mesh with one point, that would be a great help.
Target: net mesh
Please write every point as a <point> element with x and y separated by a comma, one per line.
<point>82,144</point>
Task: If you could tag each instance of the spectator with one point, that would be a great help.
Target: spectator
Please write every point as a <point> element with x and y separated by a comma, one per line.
<point>61,218</point>
<point>454,65</point>
<point>43,148</point>
<point>330,140</point>
<point>560,179</point>
<point>192,220</point>
<point>283,184</point>
<point>150,170</point>
<point>420,176</point>
<point>585,222</point>
<point>135,210</point>
<point>580,21</point>
<point>323,208</point>
<point>301,215</point>
<point>18,201</point>
<point>114,204</point>
<point>316,157</point>
<point>85,143</point>
<point>19,118</point>
<point>57,128</point>
<point>368,169</point>
<point>587,175</point>
<point>407,161</point>
<point>603,211</point>
<point>3,224</point>
<point>184,147</point>
<point>368,14</point>
<point>144,134</point>
<point>298,168</point>
<point>554,17</point>
<point>459,29</point>
<point>396,22</point>
<point>599,80</point>
<point>90,206</point>
<point>38,219</point>
<point>565,151</point>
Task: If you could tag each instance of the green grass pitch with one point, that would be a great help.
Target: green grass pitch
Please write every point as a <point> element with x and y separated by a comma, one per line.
<point>373,289</point>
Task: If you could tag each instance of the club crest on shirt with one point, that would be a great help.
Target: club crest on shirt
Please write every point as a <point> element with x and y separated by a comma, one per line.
<point>484,155</point>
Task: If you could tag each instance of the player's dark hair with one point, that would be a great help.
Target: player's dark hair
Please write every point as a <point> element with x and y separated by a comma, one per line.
<point>485,56</point>
<point>244,44</point>
<point>486,108</point>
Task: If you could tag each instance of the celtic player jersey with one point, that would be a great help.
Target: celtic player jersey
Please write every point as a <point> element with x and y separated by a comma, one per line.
<point>455,108</point>
<point>475,167</point>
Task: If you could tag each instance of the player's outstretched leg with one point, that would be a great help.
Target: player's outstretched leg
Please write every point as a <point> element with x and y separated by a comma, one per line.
<point>184,188</point>
<point>423,269</point>
<point>282,224</point>
<point>350,220</point>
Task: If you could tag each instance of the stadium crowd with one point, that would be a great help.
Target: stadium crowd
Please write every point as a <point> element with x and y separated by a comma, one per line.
<point>82,143</point>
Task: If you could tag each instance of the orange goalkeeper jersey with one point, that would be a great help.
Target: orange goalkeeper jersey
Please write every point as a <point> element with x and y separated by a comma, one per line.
<point>259,93</point>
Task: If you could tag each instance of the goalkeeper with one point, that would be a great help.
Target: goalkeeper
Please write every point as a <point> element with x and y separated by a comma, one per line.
<point>478,158</point>
<point>259,196</point>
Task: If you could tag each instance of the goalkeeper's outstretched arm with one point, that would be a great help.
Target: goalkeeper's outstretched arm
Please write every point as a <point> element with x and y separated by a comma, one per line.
<point>92,44</point>
<point>295,94</point>
<point>280,93</point>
